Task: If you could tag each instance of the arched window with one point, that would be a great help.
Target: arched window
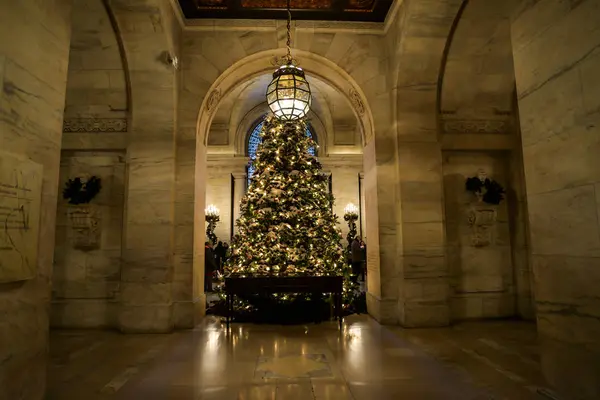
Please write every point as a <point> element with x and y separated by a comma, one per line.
<point>254,140</point>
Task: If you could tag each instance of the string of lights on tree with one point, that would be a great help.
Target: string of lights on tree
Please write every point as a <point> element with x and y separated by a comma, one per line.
<point>286,223</point>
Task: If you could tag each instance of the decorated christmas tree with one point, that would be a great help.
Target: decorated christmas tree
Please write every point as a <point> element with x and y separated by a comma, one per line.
<point>286,225</point>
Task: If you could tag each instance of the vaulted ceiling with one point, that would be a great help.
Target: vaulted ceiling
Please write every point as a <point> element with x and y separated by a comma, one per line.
<point>316,10</point>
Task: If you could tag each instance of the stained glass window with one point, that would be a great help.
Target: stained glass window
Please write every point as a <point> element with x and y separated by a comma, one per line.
<point>254,140</point>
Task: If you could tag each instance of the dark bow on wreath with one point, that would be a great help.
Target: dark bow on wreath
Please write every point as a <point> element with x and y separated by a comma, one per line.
<point>492,191</point>
<point>77,192</point>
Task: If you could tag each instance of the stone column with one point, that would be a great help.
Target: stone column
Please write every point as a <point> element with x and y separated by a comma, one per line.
<point>363,226</point>
<point>239,189</point>
<point>34,97</point>
<point>557,59</point>
<point>148,237</point>
<point>383,283</point>
<point>424,297</point>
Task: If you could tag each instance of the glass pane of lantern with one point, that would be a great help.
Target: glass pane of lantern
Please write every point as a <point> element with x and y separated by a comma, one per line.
<point>271,97</point>
<point>286,103</point>
<point>275,107</point>
<point>301,95</point>
<point>302,86</point>
<point>285,93</point>
<point>285,83</point>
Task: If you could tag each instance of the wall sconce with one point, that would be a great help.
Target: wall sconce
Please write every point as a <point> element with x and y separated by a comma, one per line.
<point>211,215</point>
<point>351,216</point>
<point>170,59</point>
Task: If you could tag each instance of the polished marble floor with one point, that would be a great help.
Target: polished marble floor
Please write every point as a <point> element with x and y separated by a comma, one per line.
<point>364,361</point>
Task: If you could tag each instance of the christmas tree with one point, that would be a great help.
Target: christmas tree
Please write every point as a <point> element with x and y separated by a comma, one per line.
<point>286,225</point>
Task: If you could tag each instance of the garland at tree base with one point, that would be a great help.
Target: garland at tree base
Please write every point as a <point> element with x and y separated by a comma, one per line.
<point>271,310</point>
<point>492,191</point>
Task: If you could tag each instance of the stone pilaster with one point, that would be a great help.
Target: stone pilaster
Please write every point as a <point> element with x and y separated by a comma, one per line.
<point>424,296</point>
<point>148,238</point>
<point>384,283</point>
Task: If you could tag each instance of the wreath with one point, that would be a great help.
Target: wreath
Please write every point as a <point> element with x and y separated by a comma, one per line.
<point>490,190</point>
<point>78,192</point>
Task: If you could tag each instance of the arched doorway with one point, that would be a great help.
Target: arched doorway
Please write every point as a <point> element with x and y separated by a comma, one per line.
<point>257,65</point>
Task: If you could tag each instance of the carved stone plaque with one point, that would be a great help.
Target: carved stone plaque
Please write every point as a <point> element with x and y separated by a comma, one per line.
<point>84,221</point>
<point>20,199</point>
<point>482,221</point>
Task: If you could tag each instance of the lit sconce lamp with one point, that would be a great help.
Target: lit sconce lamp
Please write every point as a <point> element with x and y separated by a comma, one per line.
<point>211,215</point>
<point>351,216</point>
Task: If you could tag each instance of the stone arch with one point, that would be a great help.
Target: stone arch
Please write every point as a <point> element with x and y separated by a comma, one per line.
<point>244,70</point>
<point>100,89</point>
<point>260,63</point>
<point>418,63</point>
<point>476,81</point>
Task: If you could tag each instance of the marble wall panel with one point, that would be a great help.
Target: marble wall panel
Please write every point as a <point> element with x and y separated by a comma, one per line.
<point>148,31</point>
<point>554,44</point>
<point>476,270</point>
<point>83,274</point>
<point>31,127</point>
<point>420,183</point>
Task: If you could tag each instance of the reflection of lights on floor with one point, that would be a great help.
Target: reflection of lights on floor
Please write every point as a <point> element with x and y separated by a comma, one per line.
<point>210,352</point>
<point>354,344</point>
<point>353,333</point>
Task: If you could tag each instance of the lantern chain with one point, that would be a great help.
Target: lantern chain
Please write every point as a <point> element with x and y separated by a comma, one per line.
<point>289,35</point>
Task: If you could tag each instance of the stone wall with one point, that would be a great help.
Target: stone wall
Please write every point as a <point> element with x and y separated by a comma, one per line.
<point>478,243</point>
<point>556,52</point>
<point>344,172</point>
<point>32,102</point>
<point>87,274</point>
<point>96,84</point>
<point>219,193</point>
<point>149,292</point>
